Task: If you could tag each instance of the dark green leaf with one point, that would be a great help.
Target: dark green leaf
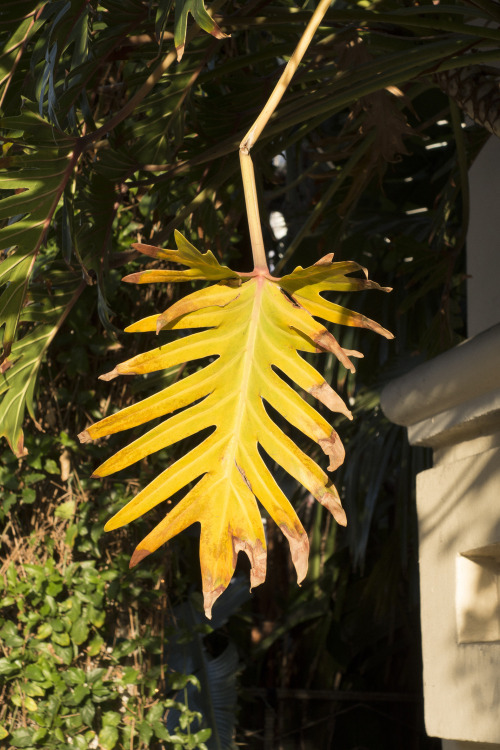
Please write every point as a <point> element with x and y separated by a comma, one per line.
<point>33,672</point>
<point>80,631</point>
<point>111,719</point>
<point>78,694</point>
<point>87,713</point>
<point>8,667</point>
<point>145,732</point>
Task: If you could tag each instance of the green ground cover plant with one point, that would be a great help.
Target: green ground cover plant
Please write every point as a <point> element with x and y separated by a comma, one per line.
<point>78,667</point>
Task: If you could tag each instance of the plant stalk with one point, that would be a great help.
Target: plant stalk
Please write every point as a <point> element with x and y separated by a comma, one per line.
<point>247,170</point>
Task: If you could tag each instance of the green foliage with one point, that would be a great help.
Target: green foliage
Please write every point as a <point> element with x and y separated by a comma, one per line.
<point>103,139</point>
<point>22,367</point>
<point>75,623</point>
<point>35,180</point>
<point>72,672</point>
<point>52,647</point>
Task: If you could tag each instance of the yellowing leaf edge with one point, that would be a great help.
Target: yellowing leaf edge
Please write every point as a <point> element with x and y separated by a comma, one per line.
<point>255,331</point>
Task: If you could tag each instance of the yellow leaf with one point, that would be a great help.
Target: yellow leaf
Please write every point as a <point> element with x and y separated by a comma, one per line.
<point>30,704</point>
<point>254,326</point>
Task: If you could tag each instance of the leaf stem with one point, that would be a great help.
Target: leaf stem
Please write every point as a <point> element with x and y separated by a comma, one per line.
<point>252,206</point>
<point>247,170</point>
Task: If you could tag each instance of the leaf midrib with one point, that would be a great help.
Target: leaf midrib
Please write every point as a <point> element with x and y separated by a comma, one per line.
<point>248,365</point>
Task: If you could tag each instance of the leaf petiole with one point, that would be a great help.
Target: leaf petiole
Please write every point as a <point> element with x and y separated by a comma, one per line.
<point>250,139</point>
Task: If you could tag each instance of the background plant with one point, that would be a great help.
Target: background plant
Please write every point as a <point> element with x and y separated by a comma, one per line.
<point>366,156</point>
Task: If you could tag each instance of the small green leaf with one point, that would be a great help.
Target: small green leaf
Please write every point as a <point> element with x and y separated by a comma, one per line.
<point>32,672</point>
<point>32,477</point>
<point>73,722</point>
<point>73,608</point>
<point>3,732</point>
<point>62,639</point>
<point>8,667</point>
<point>79,632</point>
<point>108,737</point>
<point>74,676</point>
<point>66,441</point>
<point>71,534</point>
<point>160,731</point>
<point>51,467</point>
<point>87,712</point>
<point>95,674</point>
<point>59,734</point>
<point>95,645</point>
<point>17,700</point>
<point>130,676</point>
<point>100,694</point>
<point>40,734</point>
<point>66,510</point>
<point>28,495</point>
<point>12,640</point>
<point>64,653</point>
<point>96,616</point>
<point>8,502</point>
<point>43,632</point>
<point>111,719</point>
<point>80,742</point>
<point>155,713</point>
<point>200,15</point>
<point>203,735</point>
<point>30,704</point>
<point>145,732</point>
<point>41,718</point>
<point>34,690</point>
<point>79,694</point>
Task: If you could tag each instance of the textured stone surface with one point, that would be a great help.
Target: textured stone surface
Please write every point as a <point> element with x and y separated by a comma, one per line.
<point>458,509</point>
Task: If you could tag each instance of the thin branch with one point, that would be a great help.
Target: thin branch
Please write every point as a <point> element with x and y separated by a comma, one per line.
<point>247,169</point>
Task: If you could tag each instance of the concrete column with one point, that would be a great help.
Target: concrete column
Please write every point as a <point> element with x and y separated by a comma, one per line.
<point>452,404</point>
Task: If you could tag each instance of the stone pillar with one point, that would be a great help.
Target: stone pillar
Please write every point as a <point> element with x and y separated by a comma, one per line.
<point>452,404</point>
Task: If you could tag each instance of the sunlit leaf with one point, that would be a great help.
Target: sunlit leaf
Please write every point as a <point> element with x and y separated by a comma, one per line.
<point>254,326</point>
<point>202,18</point>
<point>18,379</point>
<point>35,179</point>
